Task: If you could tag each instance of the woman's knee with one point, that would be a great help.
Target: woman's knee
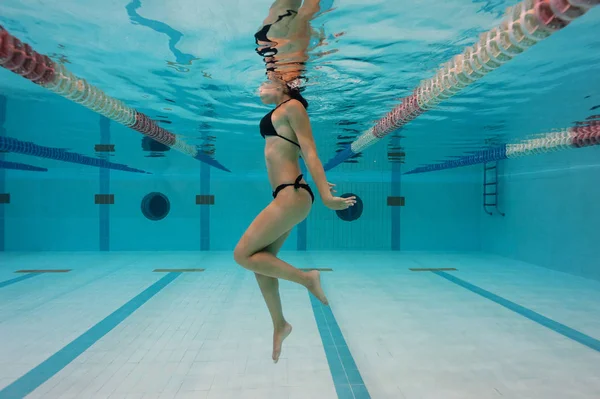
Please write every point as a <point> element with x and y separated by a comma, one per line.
<point>241,256</point>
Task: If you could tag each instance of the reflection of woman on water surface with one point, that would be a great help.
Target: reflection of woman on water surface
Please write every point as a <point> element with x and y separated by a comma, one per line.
<point>285,36</point>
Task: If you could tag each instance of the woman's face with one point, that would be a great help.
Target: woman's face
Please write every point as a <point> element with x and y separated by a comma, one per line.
<point>270,92</point>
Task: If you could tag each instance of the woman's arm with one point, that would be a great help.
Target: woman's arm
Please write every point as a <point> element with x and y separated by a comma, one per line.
<point>298,120</point>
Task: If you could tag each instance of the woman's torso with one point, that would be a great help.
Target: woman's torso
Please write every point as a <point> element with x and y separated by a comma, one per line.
<point>281,155</point>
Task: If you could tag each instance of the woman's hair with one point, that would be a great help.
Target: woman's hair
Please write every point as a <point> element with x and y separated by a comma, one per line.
<point>296,95</point>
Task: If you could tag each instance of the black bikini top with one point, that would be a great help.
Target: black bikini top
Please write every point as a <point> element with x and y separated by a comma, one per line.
<point>262,36</point>
<point>267,128</point>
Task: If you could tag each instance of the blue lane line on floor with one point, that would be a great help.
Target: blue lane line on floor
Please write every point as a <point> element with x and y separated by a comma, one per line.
<point>528,313</point>
<point>346,376</point>
<point>55,363</point>
<point>17,279</point>
<point>19,312</point>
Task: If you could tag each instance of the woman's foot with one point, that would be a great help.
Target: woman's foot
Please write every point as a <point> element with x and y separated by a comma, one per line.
<point>278,336</point>
<point>314,286</point>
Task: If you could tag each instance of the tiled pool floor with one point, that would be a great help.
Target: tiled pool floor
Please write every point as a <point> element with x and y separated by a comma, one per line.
<point>111,327</point>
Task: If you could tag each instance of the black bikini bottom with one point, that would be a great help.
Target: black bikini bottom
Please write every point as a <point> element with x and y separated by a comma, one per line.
<point>296,185</point>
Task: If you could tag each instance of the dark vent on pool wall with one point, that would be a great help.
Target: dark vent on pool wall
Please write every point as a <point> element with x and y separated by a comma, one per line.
<point>104,148</point>
<point>104,199</point>
<point>205,199</point>
<point>4,198</point>
<point>396,201</point>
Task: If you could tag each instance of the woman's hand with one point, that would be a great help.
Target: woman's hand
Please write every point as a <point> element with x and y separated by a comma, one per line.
<point>338,203</point>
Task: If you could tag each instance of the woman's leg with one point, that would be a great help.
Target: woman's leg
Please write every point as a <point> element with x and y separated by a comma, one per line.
<point>280,216</point>
<point>269,288</point>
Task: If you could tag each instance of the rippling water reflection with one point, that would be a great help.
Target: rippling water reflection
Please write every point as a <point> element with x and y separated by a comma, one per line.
<point>354,58</point>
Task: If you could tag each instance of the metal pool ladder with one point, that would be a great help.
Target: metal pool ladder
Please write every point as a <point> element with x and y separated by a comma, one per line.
<point>490,188</point>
